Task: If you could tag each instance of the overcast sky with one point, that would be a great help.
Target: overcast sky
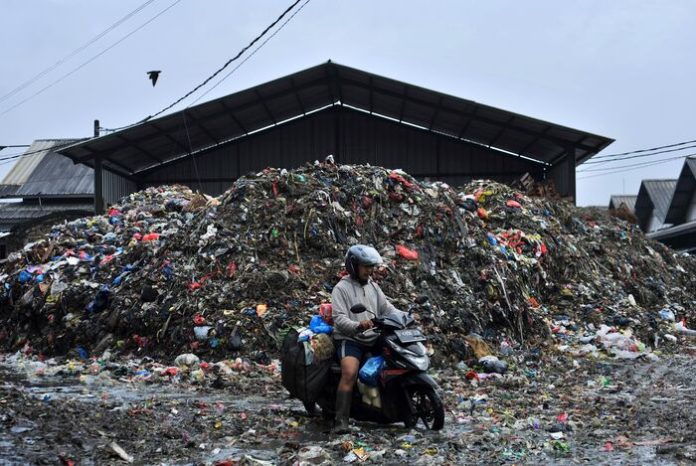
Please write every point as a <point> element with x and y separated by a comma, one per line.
<point>623,69</point>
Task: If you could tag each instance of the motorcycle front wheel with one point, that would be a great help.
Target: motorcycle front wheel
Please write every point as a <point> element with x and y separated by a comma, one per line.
<point>428,408</point>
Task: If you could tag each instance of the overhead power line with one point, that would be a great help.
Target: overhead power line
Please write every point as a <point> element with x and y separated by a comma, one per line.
<point>252,53</point>
<point>209,78</point>
<point>62,146</point>
<point>603,156</point>
<point>74,70</point>
<point>593,161</point>
<point>632,167</point>
<point>67,57</point>
<point>55,148</point>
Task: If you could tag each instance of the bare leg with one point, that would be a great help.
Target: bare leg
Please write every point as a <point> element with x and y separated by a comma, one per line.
<point>349,372</point>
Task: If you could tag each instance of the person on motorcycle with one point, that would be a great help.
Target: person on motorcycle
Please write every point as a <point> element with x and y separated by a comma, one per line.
<point>355,299</point>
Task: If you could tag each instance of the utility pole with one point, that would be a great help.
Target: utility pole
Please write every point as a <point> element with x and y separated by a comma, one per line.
<point>98,195</point>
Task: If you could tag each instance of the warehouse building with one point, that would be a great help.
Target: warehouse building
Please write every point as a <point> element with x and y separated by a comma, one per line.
<point>652,203</point>
<point>357,116</point>
<point>628,202</point>
<point>681,212</point>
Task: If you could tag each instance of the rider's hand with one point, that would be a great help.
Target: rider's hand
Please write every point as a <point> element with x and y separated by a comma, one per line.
<point>365,324</point>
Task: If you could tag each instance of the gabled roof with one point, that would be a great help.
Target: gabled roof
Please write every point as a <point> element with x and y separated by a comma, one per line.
<point>23,168</point>
<point>155,142</point>
<point>628,200</point>
<point>683,193</point>
<point>45,173</point>
<point>654,195</point>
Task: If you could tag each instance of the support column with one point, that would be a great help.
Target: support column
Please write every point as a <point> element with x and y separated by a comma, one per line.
<point>563,175</point>
<point>338,153</point>
<point>98,194</point>
<point>98,191</point>
<point>572,189</point>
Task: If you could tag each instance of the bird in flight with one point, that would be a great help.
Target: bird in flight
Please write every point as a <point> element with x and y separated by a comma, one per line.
<point>153,75</point>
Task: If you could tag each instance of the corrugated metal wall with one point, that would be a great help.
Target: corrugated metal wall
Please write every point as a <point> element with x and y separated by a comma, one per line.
<point>114,187</point>
<point>353,137</point>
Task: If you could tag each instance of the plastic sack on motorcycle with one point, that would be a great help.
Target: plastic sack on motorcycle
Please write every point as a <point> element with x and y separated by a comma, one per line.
<point>369,373</point>
<point>318,325</point>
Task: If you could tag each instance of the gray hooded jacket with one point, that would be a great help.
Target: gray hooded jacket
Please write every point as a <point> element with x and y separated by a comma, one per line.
<point>346,294</point>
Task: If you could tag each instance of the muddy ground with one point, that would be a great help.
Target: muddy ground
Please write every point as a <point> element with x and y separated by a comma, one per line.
<point>551,408</point>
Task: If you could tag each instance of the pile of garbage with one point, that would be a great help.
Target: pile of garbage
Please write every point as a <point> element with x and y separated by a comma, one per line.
<point>168,271</point>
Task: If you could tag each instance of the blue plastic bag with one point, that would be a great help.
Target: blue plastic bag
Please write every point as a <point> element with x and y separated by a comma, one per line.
<point>369,372</point>
<point>317,325</point>
<point>24,276</point>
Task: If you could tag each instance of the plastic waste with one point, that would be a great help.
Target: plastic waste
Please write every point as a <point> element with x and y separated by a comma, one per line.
<point>406,253</point>
<point>187,359</point>
<point>493,364</point>
<point>317,325</point>
<point>370,371</point>
<point>667,314</point>
<point>326,312</point>
<point>681,328</point>
<point>201,332</point>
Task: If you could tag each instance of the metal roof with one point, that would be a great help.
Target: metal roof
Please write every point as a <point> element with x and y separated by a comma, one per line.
<point>683,193</point>
<point>58,176</point>
<point>15,213</point>
<point>44,172</point>
<point>20,171</point>
<point>617,199</point>
<point>210,124</point>
<point>671,232</point>
<point>654,195</point>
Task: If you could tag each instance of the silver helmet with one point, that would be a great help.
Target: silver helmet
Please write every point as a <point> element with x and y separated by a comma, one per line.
<point>361,254</point>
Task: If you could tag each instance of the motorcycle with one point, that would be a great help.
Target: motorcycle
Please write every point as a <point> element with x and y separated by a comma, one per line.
<point>404,392</point>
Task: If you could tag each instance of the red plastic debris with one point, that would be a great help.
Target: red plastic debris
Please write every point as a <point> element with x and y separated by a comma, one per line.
<point>326,313</point>
<point>608,446</point>
<point>563,417</point>
<point>108,258</point>
<point>472,375</point>
<point>409,186</point>
<point>140,341</point>
<point>294,268</point>
<point>513,204</point>
<point>151,237</point>
<point>198,319</point>
<point>231,269</point>
<point>482,213</point>
<point>406,253</point>
<point>396,197</point>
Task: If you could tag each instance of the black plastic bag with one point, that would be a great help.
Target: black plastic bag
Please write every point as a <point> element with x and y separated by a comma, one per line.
<point>303,381</point>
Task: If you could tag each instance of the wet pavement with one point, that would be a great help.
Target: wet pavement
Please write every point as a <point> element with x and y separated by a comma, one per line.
<point>553,409</point>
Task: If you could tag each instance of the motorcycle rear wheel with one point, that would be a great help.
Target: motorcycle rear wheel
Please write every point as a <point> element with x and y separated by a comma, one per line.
<point>428,406</point>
